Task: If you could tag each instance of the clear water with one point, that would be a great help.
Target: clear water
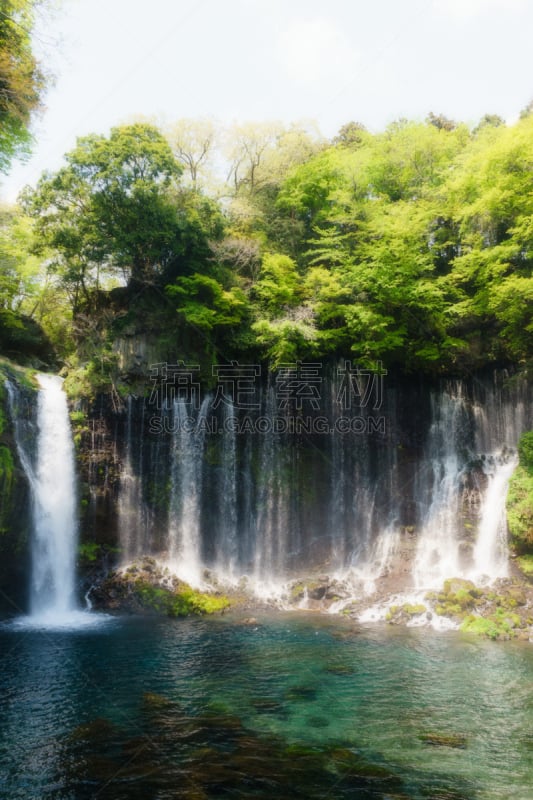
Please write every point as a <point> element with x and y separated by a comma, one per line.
<point>293,706</point>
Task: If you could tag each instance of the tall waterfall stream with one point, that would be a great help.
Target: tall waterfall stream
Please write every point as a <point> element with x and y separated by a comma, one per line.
<point>50,469</point>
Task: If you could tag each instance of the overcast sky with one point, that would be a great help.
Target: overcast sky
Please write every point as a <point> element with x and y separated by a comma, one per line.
<point>325,60</point>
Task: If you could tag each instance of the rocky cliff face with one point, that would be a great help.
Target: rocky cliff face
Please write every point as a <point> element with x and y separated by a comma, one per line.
<point>305,484</point>
<point>295,485</point>
<point>15,496</point>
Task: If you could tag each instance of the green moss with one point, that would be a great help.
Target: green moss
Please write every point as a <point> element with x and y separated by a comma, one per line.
<point>398,613</point>
<point>179,603</point>
<point>480,626</point>
<point>6,468</point>
<point>520,510</point>
<point>500,625</point>
<point>454,585</point>
<point>190,602</point>
<point>526,564</point>
<point>457,598</point>
<point>464,599</point>
<point>86,380</point>
<point>412,610</point>
<point>297,590</point>
<point>89,552</point>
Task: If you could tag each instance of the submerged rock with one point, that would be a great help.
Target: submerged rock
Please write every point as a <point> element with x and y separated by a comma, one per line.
<point>456,740</point>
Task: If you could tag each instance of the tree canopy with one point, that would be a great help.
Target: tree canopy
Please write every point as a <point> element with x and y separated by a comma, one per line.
<point>412,246</point>
<point>22,81</point>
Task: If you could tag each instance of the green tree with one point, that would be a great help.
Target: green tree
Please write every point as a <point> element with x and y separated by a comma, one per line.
<point>20,271</point>
<point>22,81</point>
<point>489,197</point>
<point>110,209</point>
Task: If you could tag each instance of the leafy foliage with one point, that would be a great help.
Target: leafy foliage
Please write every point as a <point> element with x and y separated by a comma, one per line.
<point>525,450</point>
<point>22,81</point>
<point>110,209</point>
<point>412,246</point>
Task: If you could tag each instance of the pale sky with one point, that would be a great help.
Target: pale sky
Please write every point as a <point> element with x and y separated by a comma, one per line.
<point>242,60</point>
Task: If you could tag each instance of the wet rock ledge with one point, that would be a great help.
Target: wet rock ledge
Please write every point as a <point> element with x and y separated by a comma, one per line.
<point>145,587</point>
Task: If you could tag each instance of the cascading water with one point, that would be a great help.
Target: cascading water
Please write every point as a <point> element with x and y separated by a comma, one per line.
<point>132,512</point>
<point>184,539</point>
<point>226,535</point>
<point>365,506</point>
<point>500,419</point>
<point>490,554</point>
<point>272,520</point>
<point>470,453</point>
<point>438,491</point>
<point>52,480</point>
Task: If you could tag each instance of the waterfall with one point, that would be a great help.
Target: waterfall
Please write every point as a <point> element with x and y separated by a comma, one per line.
<point>438,491</point>
<point>363,497</point>
<point>272,529</point>
<point>491,552</point>
<point>227,533</point>
<point>501,418</point>
<point>184,531</point>
<point>132,511</point>
<point>20,439</point>
<point>52,481</point>
<point>415,501</point>
<point>469,459</point>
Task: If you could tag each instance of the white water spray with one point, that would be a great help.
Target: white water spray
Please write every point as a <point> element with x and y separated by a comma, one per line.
<point>55,534</point>
<point>184,541</point>
<point>491,558</point>
<point>51,476</point>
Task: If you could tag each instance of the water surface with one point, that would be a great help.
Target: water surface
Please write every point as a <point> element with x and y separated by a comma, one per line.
<point>291,706</point>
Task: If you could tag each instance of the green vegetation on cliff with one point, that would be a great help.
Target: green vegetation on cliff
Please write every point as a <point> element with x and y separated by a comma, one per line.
<point>412,246</point>
<point>520,505</point>
<point>15,503</point>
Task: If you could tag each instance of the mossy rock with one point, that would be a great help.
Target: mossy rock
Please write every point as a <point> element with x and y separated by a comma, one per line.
<point>458,597</point>
<point>449,609</point>
<point>454,585</point>
<point>297,591</point>
<point>181,602</point>
<point>140,591</point>
<point>500,625</point>
<point>402,614</point>
<point>464,598</point>
<point>412,610</point>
